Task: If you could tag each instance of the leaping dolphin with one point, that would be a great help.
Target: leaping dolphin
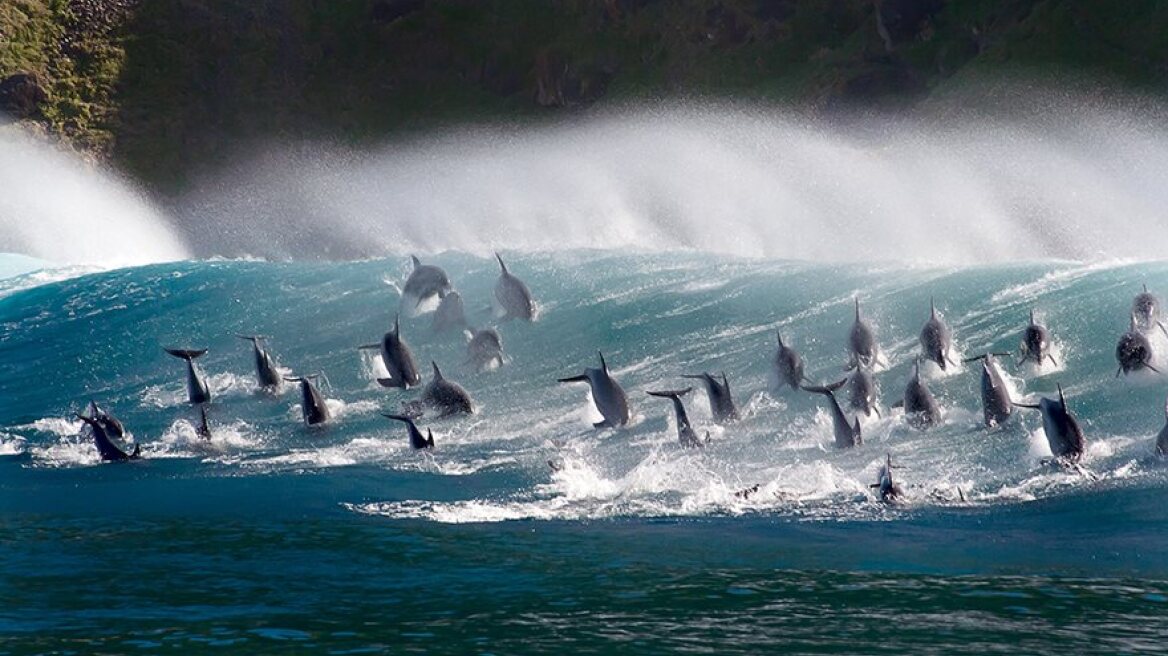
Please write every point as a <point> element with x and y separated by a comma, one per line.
<point>936,338</point>
<point>112,425</point>
<point>447,396</point>
<point>197,389</point>
<point>267,373</point>
<point>513,295</point>
<point>995,396</point>
<point>312,403</point>
<point>450,313</point>
<point>1133,351</point>
<point>847,435</point>
<point>789,365</point>
<point>398,359</point>
<point>861,342</point>
<point>416,439</point>
<point>1162,438</point>
<point>1062,429</point>
<point>1036,343</point>
<point>108,451</point>
<point>485,348</point>
<point>862,392</point>
<point>889,491</point>
<point>425,281</point>
<point>1146,312</point>
<point>204,427</point>
<point>685,432</point>
<point>607,394</point>
<point>721,402</point>
<point>921,410</point>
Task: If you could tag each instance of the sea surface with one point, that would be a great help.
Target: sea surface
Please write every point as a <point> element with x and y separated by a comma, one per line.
<point>526,530</point>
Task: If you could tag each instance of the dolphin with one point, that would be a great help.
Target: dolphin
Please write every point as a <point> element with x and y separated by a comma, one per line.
<point>890,492</point>
<point>416,439</point>
<point>197,390</point>
<point>450,313</point>
<point>108,451</point>
<point>204,428</point>
<point>312,403</point>
<point>862,392</point>
<point>1162,437</point>
<point>425,281</point>
<point>1146,311</point>
<point>847,435</point>
<point>485,348</point>
<point>789,365</point>
<point>513,295</point>
<point>113,427</point>
<point>398,359</point>
<point>446,395</point>
<point>920,407</point>
<point>607,394</point>
<point>1062,429</point>
<point>267,373</point>
<point>685,432</point>
<point>1133,351</point>
<point>936,338</point>
<point>1036,343</point>
<point>995,396</point>
<point>721,402</point>
<point>861,342</point>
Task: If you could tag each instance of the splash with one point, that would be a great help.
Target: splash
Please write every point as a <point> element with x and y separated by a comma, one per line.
<point>1074,184</point>
<point>57,208</point>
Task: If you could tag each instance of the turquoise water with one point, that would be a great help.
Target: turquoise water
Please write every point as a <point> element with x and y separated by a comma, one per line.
<point>343,540</point>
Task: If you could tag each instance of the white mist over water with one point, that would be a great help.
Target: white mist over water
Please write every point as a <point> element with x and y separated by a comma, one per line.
<point>58,208</point>
<point>1083,185</point>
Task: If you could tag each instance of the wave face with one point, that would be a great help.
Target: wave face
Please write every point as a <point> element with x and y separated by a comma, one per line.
<point>366,520</point>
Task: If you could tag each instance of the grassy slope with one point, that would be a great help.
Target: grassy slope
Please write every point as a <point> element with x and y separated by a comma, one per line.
<point>177,83</point>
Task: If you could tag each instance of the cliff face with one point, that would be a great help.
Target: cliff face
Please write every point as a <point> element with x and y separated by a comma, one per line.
<point>166,86</point>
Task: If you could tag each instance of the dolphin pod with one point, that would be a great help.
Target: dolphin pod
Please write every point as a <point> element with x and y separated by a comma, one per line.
<point>921,409</point>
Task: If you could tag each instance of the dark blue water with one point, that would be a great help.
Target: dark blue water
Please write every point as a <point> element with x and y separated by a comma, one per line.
<point>344,541</point>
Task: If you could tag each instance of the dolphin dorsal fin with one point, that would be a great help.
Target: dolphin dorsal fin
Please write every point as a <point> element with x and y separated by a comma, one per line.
<point>725,382</point>
<point>603,364</point>
<point>932,308</point>
<point>1145,288</point>
<point>437,372</point>
<point>1166,409</point>
<point>857,309</point>
<point>780,336</point>
<point>501,265</point>
<point>1062,398</point>
<point>397,324</point>
<point>430,437</point>
<point>416,261</point>
<point>1032,316</point>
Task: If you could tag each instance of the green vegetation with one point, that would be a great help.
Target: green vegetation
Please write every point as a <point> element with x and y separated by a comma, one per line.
<point>165,87</point>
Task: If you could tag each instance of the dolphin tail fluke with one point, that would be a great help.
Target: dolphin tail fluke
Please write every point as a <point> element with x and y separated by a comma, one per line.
<point>501,265</point>
<point>573,379</point>
<point>186,354</point>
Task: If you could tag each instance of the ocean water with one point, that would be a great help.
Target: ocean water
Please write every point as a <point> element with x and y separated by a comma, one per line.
<point>343,540</point>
